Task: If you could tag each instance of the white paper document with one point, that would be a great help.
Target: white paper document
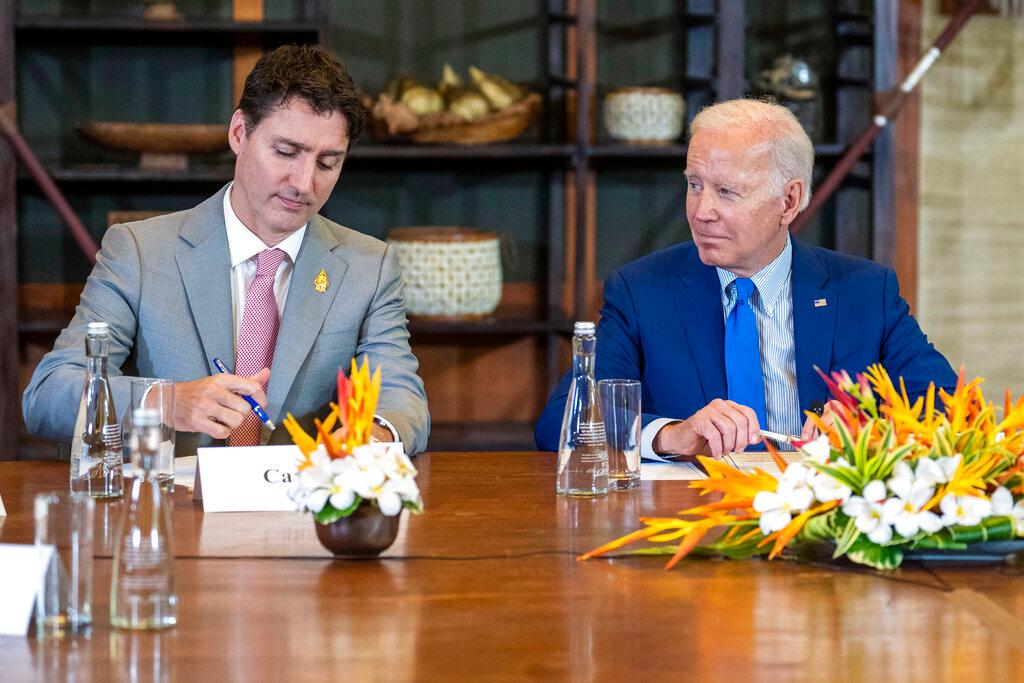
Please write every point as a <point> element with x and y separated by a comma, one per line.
<point>22,571</point>
<point>761,460</point>
<point>185,471</point>
<point>670,470</point>
<point>246,478</point>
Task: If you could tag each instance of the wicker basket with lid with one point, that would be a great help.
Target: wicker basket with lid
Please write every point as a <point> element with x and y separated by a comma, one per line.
<point>449,272</point>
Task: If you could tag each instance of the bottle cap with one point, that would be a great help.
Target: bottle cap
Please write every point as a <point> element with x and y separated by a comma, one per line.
<point>97,328</point>
<point>583,328</point>
<point>145,417</point>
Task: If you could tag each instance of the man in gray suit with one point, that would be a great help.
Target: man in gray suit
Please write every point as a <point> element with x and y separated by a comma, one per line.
<point>173,288</point>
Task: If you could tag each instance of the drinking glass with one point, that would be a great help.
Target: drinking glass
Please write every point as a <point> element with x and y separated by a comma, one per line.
<point>63,521</point>
<point>620,407</point>
<point>157,394</point>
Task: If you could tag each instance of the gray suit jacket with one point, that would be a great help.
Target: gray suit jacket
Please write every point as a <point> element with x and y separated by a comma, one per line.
<point>164,287</point>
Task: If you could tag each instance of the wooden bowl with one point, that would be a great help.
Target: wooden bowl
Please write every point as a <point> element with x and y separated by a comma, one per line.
<point>446,127</point>
<point>157,138</point>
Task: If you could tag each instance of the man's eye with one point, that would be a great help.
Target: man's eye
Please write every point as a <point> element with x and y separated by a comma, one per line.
<point>324,167</point>
<point>726,192</point>
<point>694,185</point>
<point>285,153</point>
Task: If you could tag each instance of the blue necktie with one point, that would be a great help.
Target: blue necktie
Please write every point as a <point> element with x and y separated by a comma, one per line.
<point>743,353</point>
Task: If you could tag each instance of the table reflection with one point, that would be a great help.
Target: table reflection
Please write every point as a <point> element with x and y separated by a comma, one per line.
<point>143,656</point>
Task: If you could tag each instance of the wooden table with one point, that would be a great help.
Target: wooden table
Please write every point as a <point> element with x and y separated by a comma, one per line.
<point>485,584</point>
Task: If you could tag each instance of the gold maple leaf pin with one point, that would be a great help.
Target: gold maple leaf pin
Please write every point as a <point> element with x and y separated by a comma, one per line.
<point>321,283</point>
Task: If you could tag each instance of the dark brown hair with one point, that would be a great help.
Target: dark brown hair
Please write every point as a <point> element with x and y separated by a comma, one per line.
<point>311,72</point>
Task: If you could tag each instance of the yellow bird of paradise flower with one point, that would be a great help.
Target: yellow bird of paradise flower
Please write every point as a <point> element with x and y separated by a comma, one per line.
<point>353,413</point>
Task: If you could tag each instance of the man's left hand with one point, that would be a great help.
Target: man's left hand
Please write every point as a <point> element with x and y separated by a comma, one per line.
<point>376,431</point>
<point>828,416</point>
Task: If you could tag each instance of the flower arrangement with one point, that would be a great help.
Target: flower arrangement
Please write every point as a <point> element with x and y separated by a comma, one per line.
<point>341,469</point>
<point>888,475</point>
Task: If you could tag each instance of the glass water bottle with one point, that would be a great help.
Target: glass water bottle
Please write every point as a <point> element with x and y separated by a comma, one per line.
<point>142,594</point>
<point>582,452</point>
<point>96,456</point>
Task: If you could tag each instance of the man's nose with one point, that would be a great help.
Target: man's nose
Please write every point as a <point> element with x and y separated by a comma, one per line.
<point>705,206</point>
<point>302,174</point>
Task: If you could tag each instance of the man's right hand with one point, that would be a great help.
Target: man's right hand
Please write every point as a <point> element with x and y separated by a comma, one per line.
<point>214,405</point>
<point>718,428</point>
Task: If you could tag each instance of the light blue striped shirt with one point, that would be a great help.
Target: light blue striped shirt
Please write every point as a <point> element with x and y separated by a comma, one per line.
<point>773,308</point>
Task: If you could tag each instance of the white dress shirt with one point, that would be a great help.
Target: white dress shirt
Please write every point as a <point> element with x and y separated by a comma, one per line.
<point>244,246</point>
<point>773,308</point>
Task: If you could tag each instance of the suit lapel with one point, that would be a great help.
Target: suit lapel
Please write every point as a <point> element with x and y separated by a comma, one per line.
<point>209,258</point>
<point>698,303</point>
<point>814,322</point>
<point>305,309</point>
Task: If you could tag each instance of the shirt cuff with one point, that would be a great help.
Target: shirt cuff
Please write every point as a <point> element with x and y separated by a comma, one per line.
<point>647,435</point>
<point>386,424</point>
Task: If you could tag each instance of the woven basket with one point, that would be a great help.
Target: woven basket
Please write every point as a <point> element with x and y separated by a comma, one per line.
<point>395,123</point>
<point>644,115</point>
<point>449,272</point>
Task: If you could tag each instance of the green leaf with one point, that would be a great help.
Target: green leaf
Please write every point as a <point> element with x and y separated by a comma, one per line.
<point>820,527</point>
<point>846,440</point>
<point>846,475</point>
<point>412,506</point>
<point>652,550</point>
<point>745,551</point>
<point>959,537</point>
<point>876,556</point>
<point>887,461</point>
<point>846,537</point>
<point>330,514</point>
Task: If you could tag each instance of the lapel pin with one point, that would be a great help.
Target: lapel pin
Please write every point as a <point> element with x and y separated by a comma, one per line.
<point>321,283</point>
<point>818,303</point>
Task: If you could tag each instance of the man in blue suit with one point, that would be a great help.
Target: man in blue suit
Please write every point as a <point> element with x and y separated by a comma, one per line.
<point>724,332</point>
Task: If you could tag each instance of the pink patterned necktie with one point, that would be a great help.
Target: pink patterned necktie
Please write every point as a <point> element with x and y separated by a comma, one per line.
<point>258,336</point>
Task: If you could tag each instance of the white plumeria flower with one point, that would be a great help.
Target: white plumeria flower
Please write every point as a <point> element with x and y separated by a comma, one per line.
<point>964,510</point>
<point>1003,506</point>
<point>797,475</point>
<point>374,472</point>
<point>818,450</point>
<point>905,511</point>
<point>938,470</point>
<point>777,507</point>
<point>388,500</point>
<point>827,488</point>
<point>313,485</point>
<point>866,512</point>
<point>1002,502</point>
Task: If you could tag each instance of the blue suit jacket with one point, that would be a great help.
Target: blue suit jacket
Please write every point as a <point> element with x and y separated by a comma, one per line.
<point>662,323</point>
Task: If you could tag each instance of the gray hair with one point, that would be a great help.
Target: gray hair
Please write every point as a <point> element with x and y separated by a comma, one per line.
<point>785,140</point>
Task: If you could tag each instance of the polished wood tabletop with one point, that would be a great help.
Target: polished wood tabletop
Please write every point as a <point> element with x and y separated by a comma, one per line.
<point>485,584</point>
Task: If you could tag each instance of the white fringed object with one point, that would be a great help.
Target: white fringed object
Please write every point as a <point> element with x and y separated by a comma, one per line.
<point>449,272</point>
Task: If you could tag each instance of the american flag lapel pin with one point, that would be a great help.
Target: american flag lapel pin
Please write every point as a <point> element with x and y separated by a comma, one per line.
<point>818,303</point>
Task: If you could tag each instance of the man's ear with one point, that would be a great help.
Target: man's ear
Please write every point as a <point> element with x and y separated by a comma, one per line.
<point>792,195</point>
<point>236,131</point>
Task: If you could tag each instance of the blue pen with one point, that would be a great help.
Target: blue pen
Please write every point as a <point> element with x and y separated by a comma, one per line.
<point>248,399</point>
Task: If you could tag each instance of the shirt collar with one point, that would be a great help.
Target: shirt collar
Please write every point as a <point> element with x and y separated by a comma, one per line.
<point>243,244</point>
<point>770,280</point>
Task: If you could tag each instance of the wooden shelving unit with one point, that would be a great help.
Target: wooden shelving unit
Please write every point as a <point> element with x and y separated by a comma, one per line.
<point>570,154</point>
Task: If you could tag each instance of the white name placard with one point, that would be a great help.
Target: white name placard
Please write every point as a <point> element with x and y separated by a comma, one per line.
<point>3,511</point>
<point>23,568</point>
<point>246,478</point>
